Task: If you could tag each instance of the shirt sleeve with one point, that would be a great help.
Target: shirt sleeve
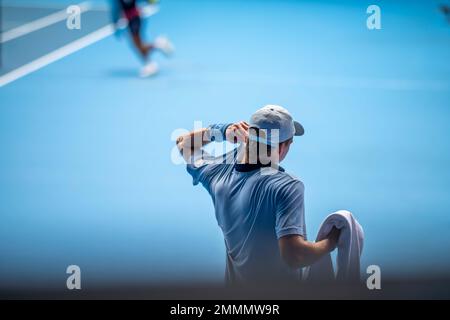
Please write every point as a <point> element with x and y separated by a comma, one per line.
<point>290,210</point>
<point>202,165</point>
<point>200,172</point>
<point>205,169</point>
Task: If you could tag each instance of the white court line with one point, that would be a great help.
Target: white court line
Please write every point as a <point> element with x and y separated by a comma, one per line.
<point>65,50</point>
<point>31,4</point>
<point>39,23</point>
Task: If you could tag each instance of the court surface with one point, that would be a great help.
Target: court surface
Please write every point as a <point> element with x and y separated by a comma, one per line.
<point>86,175</point>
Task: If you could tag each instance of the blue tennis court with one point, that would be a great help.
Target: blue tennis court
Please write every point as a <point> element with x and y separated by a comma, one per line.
<point>86,170</point>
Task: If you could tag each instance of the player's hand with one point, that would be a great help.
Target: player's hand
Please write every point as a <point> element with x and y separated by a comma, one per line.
<point>120,26</point>
<point>237,132</point>
<point>333,238</point>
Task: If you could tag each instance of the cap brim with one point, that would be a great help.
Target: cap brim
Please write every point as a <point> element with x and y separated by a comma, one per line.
<point>299,130</point>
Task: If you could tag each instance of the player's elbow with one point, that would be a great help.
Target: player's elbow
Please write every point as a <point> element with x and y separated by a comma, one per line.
<point>292,251</point>
<point>180,142</point>
<point>184,146</point>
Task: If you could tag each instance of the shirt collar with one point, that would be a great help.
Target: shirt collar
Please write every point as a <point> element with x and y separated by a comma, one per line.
<point>247,167</point>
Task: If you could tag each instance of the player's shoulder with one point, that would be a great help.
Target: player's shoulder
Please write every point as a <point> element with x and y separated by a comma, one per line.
<point>292,179</point>
<point>282,178</point>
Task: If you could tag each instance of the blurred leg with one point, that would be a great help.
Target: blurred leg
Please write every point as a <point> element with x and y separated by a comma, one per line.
<point>143,48</point>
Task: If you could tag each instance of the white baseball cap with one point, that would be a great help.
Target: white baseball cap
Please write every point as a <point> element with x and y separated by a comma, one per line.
<point>275,117</point>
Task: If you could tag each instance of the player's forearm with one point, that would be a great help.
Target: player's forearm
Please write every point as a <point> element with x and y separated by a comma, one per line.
<point>312,252</point>
<point>193,141</point>
<point>305,253</point>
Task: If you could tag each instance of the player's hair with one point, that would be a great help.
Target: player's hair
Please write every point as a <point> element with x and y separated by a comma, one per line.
<point>258,152</point>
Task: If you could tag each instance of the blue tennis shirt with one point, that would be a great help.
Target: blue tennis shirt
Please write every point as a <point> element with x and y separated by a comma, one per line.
<point>253,210</point>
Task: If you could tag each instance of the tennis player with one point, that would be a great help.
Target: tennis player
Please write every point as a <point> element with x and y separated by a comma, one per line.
<point>259,207</point>
<point>128,10</point>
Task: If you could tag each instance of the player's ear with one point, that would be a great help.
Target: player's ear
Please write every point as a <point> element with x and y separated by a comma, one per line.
<point>282,147</point>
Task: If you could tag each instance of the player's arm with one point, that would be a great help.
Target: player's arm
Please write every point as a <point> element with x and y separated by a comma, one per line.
<point>298,253</point>
<point>192,142</point>
<point>116,11</point>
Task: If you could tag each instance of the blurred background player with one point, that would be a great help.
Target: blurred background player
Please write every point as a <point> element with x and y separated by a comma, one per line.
<point>445,9</point>
<point>128,11</point>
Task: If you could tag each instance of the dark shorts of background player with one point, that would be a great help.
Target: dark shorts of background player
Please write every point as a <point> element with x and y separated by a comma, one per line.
<point>131,12</point>
<point>134,25</point>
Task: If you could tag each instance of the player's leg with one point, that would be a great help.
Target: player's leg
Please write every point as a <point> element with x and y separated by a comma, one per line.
<point>144,49</point>
<point>150,68</point>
